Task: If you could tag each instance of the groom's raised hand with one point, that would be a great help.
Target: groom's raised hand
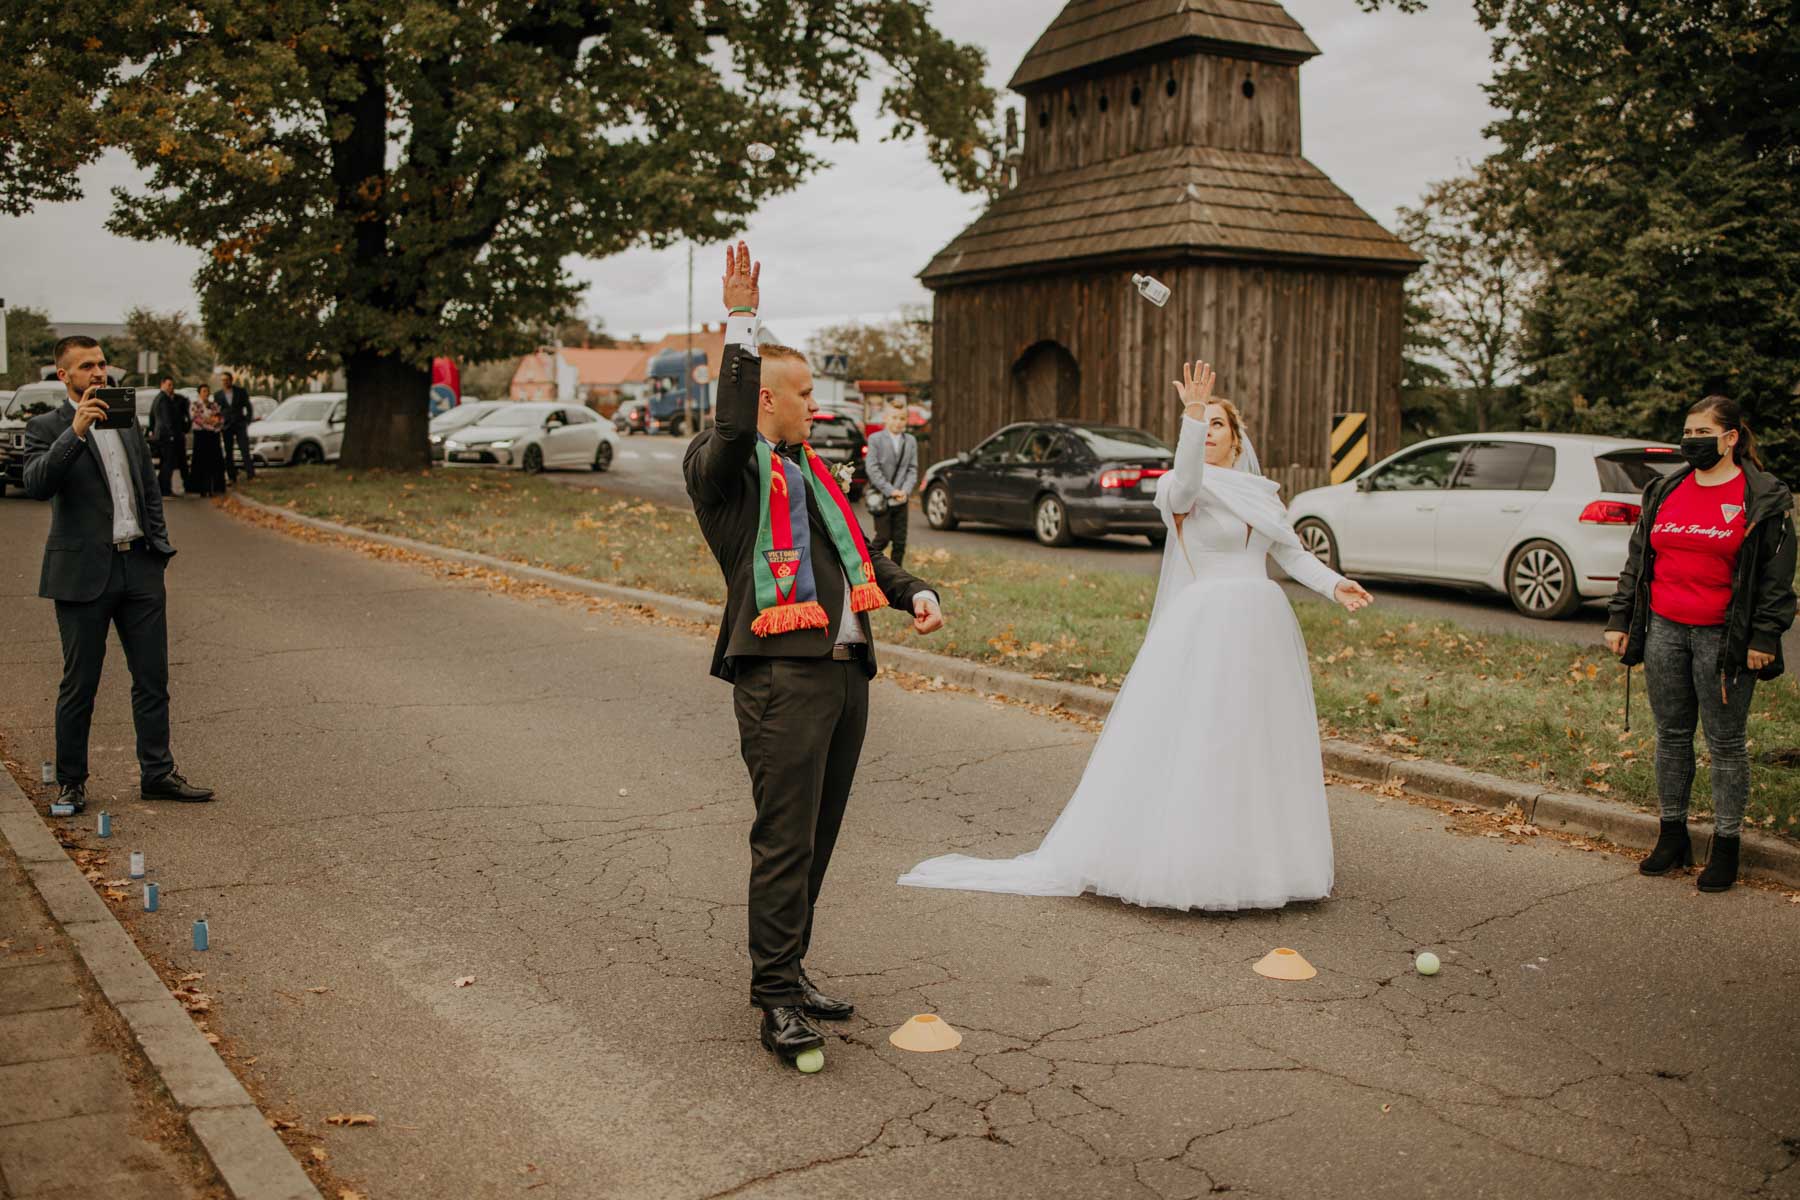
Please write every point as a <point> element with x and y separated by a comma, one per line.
<point>743,278</point>
<point>927,616</point>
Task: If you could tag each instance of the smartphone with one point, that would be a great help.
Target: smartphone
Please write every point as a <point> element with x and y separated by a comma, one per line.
<point>121,407</point>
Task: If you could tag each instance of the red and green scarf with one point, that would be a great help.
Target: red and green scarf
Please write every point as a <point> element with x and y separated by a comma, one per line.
<point>786,598</point>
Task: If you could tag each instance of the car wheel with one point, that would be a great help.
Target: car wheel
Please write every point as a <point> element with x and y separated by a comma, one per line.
<point>676,425</point>
<point>937,508</point>
<point>533,462</point>
<point>308,454</point>
<point>1540,580</point>
<point>603,456</point>
<point>1051,522</point>
<point>1316,539</point>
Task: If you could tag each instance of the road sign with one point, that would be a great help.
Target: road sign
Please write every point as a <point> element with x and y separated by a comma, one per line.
<point>702,376</point>
<point>147,361</point>
<point>3,366</point>
<point>1349,444</point>
<point>837,366</point>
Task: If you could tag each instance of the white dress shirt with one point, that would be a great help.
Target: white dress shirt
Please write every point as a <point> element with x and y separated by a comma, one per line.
<point>126,524</point>
<point>743,331</point>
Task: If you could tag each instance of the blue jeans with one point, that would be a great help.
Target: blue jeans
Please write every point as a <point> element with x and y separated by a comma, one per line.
<point>1681,669</point>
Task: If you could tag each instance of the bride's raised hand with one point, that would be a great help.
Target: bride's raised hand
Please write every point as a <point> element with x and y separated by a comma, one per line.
<point>1195,388</point>
<point>1352,595</point>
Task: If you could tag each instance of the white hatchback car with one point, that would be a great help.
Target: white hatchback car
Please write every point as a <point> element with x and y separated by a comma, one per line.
<point>535,437</point>
<point>1543,517</point>
<point>307,427</point>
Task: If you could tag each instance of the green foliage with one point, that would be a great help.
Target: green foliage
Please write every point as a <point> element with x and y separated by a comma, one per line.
<point>29,343</point>
<point>1466,306</point>
<point>1651,156</point>
<point>899,348</point>
<point>181,349</point>
<point>375,185</point>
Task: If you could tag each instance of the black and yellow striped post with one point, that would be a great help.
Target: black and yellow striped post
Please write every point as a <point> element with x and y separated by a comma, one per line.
<point>1349,444</point>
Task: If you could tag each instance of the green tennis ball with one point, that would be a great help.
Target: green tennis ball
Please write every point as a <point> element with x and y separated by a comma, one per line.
<point>1427,963</point>
<point>810,1062</point>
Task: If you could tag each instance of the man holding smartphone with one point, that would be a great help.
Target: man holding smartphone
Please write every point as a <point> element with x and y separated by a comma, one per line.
<point>103,566</point>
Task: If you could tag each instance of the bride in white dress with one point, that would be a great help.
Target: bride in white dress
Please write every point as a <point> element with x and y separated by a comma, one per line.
<point>1205,789</point>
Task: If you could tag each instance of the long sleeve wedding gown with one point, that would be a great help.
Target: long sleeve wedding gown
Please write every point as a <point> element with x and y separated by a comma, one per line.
<point>1205,789</point>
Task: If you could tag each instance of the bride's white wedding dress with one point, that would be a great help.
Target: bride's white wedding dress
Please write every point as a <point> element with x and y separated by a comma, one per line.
<point>1205,789</point>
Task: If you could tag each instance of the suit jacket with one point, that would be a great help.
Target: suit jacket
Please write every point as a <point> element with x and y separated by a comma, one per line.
<point>66,470</point>
<point>893,466</point>
<point>720,467</point>
<point>234,404</point>
<point>169,420</point>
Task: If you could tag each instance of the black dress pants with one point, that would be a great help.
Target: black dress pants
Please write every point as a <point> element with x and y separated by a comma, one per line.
<point>172,453</point>
<point>237,445</point>
<point>134,602</point>
<point>890,530</point>
<point>800,724</point>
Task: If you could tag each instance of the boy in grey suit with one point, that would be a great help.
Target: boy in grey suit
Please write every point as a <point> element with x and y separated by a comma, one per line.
<point>893,474</point>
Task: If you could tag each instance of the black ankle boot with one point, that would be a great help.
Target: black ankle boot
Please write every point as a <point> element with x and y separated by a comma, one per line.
<point>1672,850</point>
<point>1721,866</point>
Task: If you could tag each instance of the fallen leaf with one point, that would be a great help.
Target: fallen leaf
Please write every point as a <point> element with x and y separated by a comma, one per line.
<point>318,991</point>
<point>320,1154</point>
<point>465,981</point>
<point>192,977</point>
<point>1387,1108</point>
<point>212,1039</point>
<point>347,1120</point>
<point>350,1194</point>
<point>116,894</point>
<point>280,1125</point>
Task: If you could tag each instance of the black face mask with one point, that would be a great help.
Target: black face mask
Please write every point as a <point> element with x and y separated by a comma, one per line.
<point>1702,453</point>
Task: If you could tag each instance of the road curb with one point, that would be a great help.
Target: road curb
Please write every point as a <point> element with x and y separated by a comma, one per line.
<point>252,1161</point>
<point>1564,812</point>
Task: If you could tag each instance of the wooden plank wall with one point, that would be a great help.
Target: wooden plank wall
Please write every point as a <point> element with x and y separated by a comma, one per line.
<point>1066,126</point>
<point>1291,345</point>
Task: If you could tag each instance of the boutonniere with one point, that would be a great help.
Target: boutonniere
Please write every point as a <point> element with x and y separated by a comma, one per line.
<point>844,472</point>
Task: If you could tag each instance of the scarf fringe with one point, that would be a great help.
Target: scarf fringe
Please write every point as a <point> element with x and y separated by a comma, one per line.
<point>786,618</point>
<point>866,597</point>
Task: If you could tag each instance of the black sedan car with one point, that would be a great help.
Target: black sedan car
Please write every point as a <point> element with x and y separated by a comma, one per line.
<point>1059,479</point>
<point>838,439</point>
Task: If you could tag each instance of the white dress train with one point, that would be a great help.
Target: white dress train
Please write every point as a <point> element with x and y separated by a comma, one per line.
<point>1205,789</point>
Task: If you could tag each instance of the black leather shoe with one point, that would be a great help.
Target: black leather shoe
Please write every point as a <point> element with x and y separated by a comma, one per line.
<point>1672,850</point>
<point>821,1007</point>
<point>73,793</point>
<point>173,787</point>
<point>1721,865</point>
<point>786,1031</point>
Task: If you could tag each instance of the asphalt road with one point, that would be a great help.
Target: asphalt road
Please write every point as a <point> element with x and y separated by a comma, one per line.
<point>423,781</point>
<point>650,467</point>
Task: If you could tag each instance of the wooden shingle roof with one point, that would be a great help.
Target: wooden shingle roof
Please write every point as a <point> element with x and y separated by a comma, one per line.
<point>1089,32</point>
<point>1186,201</point>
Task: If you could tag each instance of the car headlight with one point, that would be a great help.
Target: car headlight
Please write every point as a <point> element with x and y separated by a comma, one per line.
<point>276,439</point>
<point>437,439</point>
<point>453,444</point>
<point>501,445</point>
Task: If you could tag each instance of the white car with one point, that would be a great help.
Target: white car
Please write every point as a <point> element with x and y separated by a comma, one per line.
<point>451,420</point>
<point>535,437</point>
<point>1543,517</point>
<point>305,428</point>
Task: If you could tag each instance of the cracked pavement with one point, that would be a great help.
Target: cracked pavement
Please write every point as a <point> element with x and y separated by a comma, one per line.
<point>423,779</point>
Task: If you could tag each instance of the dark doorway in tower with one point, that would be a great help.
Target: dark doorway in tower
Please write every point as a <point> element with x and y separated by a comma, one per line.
<point>1046,384</point>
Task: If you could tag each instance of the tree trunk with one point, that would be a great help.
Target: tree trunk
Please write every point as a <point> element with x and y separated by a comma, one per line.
<point>390,403</point>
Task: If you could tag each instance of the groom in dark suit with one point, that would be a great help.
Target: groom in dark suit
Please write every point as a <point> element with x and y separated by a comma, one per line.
<point>795,643</point>
<point>103,566</point>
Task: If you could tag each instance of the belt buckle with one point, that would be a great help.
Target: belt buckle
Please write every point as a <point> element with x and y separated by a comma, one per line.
<point>123,546</point>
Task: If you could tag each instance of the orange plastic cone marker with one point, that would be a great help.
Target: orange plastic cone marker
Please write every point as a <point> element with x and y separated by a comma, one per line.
<point>1282,963</point>
<point>925,1033</point>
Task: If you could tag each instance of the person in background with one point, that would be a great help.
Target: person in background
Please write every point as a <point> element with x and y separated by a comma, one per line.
<point>1705,596</point>
<point>206,476</point>
<point>235,411</point>
<point>169,426</point>
<point>893,467</point>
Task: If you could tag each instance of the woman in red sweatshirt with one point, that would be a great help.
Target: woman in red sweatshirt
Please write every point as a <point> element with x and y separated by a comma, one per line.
<point>1705,596</point>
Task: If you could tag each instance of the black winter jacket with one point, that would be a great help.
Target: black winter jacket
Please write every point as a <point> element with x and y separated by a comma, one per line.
<point>1762,592</point>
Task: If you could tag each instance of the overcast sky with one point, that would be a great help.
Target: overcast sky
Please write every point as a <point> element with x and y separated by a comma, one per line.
<point>1392,103</point>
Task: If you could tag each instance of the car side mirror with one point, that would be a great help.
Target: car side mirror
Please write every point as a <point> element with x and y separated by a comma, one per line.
<point>1366,484</point>
<point>967,456</point>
